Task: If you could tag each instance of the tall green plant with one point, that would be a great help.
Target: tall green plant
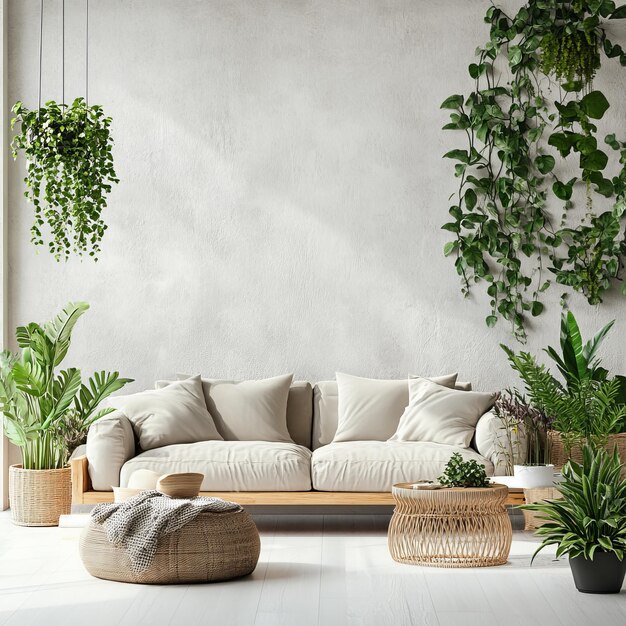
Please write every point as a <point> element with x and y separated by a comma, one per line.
<point>587,412</point>
<point>510,167</point>
<point>591,516</point>
<point>70,172</point>
<point>579,361</point>
<point>40,404</point>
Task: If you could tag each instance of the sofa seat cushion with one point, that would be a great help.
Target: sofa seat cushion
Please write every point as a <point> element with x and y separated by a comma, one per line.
<point>231,465</point>
<point>378,465</point>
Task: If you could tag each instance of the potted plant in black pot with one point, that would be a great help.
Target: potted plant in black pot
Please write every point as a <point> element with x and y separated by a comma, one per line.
<point>589,523</point>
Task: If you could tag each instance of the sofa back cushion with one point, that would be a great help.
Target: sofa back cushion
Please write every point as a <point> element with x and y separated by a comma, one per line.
<point>326,413</point>
<point>436,414</point>
<point>299,408</point>
<point>370,408</point>
<point>164,417</point>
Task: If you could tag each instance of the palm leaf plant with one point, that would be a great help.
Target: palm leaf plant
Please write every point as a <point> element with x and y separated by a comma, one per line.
<point>589,522</point>
<point>47,411</point>
<point>579,361</point>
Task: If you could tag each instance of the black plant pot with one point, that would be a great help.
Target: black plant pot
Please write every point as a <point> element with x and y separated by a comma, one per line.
<point>604,574</point>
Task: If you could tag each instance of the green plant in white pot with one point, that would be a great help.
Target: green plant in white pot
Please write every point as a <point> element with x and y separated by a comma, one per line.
<point>588,523</point>
<point>43,411</point>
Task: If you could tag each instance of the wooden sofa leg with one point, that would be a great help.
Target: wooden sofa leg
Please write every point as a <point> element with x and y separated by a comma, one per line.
<point>80,479</point>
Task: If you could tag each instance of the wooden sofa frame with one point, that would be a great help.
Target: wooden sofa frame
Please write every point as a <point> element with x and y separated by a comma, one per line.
<point>82,493</point>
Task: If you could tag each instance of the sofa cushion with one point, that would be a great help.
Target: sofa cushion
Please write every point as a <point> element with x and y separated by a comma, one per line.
<point>299,408</point>
<point>162,417</point>
<point>460,385</point>
<point>370,409</point>
<point>378,465</point>
<point>248,410</point>
<point>110,443</point>
<point>231,465</point>
<point>441,415</point>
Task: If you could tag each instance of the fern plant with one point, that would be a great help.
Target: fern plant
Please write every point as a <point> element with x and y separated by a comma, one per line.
<point>583,411</point>
<point>42,407</point>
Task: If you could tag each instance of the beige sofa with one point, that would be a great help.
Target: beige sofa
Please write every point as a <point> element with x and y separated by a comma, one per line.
<point>311,470</point>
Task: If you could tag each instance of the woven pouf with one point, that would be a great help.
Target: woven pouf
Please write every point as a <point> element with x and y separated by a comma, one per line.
<point>212,547</point>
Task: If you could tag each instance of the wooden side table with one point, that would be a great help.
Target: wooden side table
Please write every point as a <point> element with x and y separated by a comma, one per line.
<point>450,527</point>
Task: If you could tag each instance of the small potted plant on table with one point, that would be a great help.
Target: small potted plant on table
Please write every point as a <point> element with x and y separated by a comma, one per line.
<point>588,524</point>
<point>45,413</point>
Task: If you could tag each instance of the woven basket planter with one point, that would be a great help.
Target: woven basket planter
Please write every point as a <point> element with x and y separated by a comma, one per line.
<point>39,497</point>
<point>212,547</point>
<point>559,456</point>
<point>533,519</point>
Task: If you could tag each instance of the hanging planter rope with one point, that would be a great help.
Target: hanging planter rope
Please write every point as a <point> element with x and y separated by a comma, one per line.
<point>70,164</point>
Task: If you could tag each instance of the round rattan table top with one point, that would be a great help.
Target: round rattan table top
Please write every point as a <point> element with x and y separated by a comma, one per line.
<point>493,489</point>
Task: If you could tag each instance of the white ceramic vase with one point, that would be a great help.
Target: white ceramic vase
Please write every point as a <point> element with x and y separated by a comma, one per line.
<point>529,476</point>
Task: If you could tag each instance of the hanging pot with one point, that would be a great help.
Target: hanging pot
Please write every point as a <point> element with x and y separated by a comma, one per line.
<point>532,476</point>
<point>602,574</point>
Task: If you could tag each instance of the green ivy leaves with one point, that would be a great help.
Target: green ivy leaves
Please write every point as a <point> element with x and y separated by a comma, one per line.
<point>510,169</point>
<point>70,171</point>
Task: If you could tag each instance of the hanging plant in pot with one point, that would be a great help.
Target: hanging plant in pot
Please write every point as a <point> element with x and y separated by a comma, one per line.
<point>588,524</point>
<point>47,414</point>
<point>70,172</point>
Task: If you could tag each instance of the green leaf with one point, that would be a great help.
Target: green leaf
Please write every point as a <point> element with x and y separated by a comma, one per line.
<point>562,191</point>
<point>515,55</point>
<point>572,85</point>
<point>470,199</point>
<point>619,13</point>
<point>458,155</point>
<point>450,247</point>
<point>594,161</point>
<point>545,163</point>
<point>536,308</point>
<point>562,142</point>
<point>59,330</point>
<point>491,320</point>
<point>452,102</point>
<point>594,104</point>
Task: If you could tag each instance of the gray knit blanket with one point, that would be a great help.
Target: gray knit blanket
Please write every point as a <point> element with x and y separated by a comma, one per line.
<point>138,523</point>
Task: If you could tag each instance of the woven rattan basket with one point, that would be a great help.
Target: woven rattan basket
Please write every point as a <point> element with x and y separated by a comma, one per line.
<point>559,456</point>
<point>39,497</point>
<point>534,519</point>
<point>212,547</point>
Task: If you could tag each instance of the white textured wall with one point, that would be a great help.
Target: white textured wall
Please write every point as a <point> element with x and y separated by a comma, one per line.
<point>281,192</point>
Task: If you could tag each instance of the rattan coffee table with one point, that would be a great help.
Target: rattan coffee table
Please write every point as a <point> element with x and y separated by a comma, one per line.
<point>450,527</point>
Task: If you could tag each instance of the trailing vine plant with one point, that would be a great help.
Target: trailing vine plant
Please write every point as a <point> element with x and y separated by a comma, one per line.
<point>520,144</point>
<point>70,172</point>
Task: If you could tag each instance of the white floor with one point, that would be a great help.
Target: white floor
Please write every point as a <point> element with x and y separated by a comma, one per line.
<point>322,570</point>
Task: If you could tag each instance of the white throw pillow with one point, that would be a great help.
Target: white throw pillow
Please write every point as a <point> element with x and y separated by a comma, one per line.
<point>440,415</point>
<point>460,385</point>
<point>163,417</point>
<point>249,410</point>
<point>369,409</point>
